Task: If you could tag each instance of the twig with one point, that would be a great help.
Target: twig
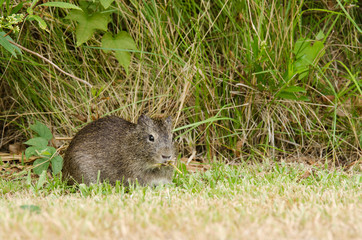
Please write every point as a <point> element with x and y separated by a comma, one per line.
<point>51,63</point>
<point>173,165</point>
<point>63,138</point>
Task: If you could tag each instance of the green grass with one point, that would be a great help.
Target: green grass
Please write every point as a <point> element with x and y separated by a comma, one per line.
<point>250,201</point>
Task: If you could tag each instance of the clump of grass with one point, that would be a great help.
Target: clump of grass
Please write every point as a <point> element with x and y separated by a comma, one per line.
<point>198,60</point>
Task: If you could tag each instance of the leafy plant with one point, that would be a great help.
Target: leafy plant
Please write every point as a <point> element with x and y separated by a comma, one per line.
<point>10,19</point>
<point>90,20</point>
<point>121,41</point>
<point>307,53</point>
<point>90,17</point>
<point>88,23</point>
<point>39,148</point>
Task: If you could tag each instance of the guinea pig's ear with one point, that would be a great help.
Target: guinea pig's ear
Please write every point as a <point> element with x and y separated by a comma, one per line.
<point>168,122</point>
<point>144,120</point>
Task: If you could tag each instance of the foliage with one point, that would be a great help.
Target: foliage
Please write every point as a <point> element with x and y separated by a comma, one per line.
<point>121,41</point>
<point>39,148</point>
<point>94,16</point>
<point>242,79</point>
<point>88,22</point>
<point>4,42</point>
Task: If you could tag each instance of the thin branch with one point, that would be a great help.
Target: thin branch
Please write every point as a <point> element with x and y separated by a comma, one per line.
<point>51,63</point>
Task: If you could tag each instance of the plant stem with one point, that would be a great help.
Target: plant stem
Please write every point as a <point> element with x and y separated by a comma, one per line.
<point>51,63</point>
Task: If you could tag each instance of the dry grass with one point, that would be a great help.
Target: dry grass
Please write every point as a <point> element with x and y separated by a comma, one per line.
<point>254,202</point>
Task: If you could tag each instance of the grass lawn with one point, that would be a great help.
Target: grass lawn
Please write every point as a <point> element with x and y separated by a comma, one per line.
<point>250,201</point>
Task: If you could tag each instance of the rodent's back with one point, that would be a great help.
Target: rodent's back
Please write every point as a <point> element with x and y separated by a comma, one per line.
<point>92,146</point>
<point>118,150</point>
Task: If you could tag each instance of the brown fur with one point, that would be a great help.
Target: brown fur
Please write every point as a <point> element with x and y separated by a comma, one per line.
<point>121,151</point>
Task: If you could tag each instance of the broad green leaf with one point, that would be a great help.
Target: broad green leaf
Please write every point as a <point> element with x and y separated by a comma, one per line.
<point>287,95</point>
<point>7,45</point>
<point>299,46</point>
<point>61,5</point>
<point>120,44</point>
<point>30,151</point>
<point>42,130</point>
<point>320,35</point>
<point>41,165</point>
<point>294,89</point>
<point>57,164</point>
<point>88,24</point>
<point>306,55</point>
<point>47,151</point>
<point>41,22</point>
<point>313,53</point>
<point>106,3</point>
<point>292,96</point>
<point>37,142</point>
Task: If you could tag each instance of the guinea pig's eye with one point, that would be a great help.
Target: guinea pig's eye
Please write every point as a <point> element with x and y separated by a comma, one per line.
<point>151,138</point>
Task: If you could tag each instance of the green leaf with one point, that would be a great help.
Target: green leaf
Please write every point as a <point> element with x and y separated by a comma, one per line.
<point>287,95</point>
<point>61,5</point>
<point>120,44</point>
<point>291,96</point>
<point>106,3</point>
<point>30,10</point>
<point>88,24</point>
<point>300,46</point>
<point>39,142</point>
<point>42,130</point>
<point>16,8</point>
<point>320,35</point>
<point>30,151</point>
<point>47,152</point>
<point>294,89</point>
<point>306,55</point>
<point>57,164</point>
<point>7,45</point>
<point>41,165</point>
<point>41,22</point>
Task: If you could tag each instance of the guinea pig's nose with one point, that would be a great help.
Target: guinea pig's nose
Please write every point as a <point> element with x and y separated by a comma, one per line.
<point>166,158</point>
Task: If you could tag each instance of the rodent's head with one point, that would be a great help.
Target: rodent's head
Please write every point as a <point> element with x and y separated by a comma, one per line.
<point>156,134</point>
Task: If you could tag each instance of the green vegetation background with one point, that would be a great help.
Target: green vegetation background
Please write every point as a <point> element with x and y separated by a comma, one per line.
<point>242,79</point>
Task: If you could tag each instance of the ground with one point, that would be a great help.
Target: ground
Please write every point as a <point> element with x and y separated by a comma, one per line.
<point>248,201</point>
